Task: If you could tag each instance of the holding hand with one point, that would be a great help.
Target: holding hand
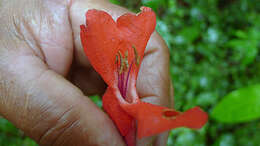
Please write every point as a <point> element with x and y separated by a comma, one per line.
<point>44,94</point>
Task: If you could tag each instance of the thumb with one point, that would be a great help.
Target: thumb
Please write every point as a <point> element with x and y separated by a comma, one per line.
<point>47,107</point>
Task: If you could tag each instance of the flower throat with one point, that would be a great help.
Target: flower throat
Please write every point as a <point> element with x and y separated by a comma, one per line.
<point>124,70</point>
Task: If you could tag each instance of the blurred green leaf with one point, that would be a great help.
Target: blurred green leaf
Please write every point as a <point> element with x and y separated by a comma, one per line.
<point>189,34</point>
<point>97,100</point>
<point>28,142</point>
<point>11,136</point>
<point>239,106</point>
<point>154,4</point>
<point>114,2</point>
<point>246,46</point>
<point>7,127</point>
<point>245,49</point>
<point>241,34</point>
<point>225,140</point>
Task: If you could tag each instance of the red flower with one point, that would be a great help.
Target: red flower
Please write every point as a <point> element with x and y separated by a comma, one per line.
<point>116,49</point>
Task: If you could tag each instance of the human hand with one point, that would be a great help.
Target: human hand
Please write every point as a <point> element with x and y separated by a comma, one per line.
<point>37,42</point>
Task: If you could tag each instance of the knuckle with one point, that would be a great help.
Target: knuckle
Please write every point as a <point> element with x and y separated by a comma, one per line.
<point>55,132</point>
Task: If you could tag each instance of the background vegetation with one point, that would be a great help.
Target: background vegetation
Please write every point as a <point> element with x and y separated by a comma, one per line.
<point>215,50</point>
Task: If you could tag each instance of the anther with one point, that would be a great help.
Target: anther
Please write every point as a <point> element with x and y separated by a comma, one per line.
<point>137,57</point>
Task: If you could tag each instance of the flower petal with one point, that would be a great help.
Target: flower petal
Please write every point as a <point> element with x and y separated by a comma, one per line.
<point>102,38</point>
<point>130,137</point>
<point>100,41</point>
<point>153,119</point>
<point>137,29</point>
<point>124,122</point>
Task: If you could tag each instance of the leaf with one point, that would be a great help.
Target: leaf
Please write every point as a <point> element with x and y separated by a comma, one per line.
<point>29,142</point>
<point>239,106</point>
<point>7,127</point>
<point>114,2</point>
<point>241,34</point>
<point>247,49</point>
<point>154,4</point>
<point>189,34</point>
<point>96,99</point>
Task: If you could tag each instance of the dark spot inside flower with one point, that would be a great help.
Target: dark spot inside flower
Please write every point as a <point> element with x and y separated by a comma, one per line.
<point>170,114</point>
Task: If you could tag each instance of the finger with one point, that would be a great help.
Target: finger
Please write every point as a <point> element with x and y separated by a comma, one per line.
<point>153,83</point>
<point>158,140</point>
<point>83,75</point>
<point>77,15</point>
<point>36,99</point>
<point>162,139</point>
<point>47,107</point>
<point>147,141</point>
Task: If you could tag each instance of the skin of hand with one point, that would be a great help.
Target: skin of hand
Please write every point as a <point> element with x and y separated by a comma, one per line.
<point>45,76</point>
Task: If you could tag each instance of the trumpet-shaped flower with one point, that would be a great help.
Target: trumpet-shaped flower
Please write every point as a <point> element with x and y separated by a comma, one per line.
<point>115,49</point>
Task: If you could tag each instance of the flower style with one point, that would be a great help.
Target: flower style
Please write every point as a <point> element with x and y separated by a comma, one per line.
<point>115,50</point>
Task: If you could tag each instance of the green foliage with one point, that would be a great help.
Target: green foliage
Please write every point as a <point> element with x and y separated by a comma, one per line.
<point>115,2</point>
<point>154,4</point>
<point>96,99</point>
<point>239,106</point>
<point>11,136</point>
